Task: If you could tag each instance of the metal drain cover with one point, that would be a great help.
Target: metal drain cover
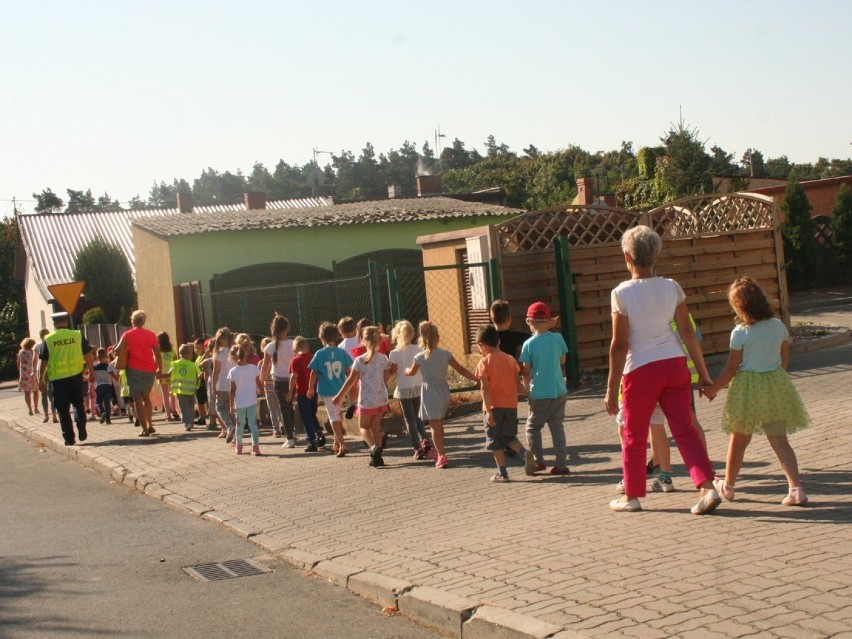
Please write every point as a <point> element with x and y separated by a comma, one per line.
<point>227,570</point>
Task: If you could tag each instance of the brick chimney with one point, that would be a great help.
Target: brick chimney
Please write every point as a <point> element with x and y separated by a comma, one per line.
<point>585,191</point>
<point>254,200</point>
<point>184,201</point>
<point>430,185</point>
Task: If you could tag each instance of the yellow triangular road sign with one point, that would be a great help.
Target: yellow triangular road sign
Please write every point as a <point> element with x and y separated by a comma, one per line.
<point>67,295</point>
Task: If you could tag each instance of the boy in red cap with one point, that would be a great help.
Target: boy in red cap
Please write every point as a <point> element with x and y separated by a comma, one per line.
<point>542,358</point>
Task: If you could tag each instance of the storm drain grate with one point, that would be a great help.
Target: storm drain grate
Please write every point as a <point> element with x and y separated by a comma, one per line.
<point>227,570</point>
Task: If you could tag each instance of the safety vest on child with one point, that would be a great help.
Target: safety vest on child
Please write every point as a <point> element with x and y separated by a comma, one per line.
<point>693,372</point>
<point>183,379</point>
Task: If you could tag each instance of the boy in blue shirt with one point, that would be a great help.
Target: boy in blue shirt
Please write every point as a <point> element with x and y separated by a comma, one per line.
<point>329,368</point>
<point>542,358</point>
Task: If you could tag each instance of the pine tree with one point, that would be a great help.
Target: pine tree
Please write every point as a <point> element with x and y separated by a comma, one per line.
<point>841,229</point>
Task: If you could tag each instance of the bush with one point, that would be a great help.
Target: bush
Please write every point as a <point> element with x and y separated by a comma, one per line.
<point>95,315</point>
<point>109,283</point>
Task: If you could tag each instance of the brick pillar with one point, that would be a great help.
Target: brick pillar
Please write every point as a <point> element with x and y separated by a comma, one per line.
<point>585,191</point>
<point>184,202</point>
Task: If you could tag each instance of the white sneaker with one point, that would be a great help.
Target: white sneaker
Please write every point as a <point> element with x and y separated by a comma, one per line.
<point>619,487</point>
<point>662,486</point>
<point>290,443</point>
<point>708,502</point>
<point>625,505</point>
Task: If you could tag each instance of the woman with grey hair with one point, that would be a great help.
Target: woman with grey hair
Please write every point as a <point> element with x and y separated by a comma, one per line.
<point>144,366</point>
<point>646,357</point>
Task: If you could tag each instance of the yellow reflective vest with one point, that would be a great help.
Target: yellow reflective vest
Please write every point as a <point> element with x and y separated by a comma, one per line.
<point>64,354</point>
<point>693,372</point>
<point>183,378</point>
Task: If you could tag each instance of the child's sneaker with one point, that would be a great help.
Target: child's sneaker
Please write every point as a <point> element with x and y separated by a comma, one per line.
<point>186,428</point>
<point>651,467</point>
<point>290,443</point>
<point>418,454</point>
<point>442,462</point>
<point>311,447</point>
<point>429,451</point>
<point>350,411</point>
<point>230,436</point>
<point>255,451</point>
<point>376,458</point>
<point>103,418</point>
<point>662,486</point>
<point>320,437</point>
<point>619,487</point>
<point>277,434</point>
<point>238,449</point>
<point>564,472</point>
<point>500,478</point>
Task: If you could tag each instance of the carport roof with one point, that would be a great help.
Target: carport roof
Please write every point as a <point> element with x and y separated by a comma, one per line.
<point>369,212</point>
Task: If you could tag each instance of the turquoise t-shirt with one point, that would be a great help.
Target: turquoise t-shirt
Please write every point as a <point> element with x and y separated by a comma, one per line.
<point>330,363</point>
<point>544,355</point>
<point>760,344</point>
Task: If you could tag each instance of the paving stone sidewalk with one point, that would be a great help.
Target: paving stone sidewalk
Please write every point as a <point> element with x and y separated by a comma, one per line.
<point>544,547</point>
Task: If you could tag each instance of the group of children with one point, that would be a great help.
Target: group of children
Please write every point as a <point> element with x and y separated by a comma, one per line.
<point>356,362</point>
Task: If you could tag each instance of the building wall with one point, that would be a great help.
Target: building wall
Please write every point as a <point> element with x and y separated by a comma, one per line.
<point>38,310</point>
<point>154,291</point>
<point>162,263</point>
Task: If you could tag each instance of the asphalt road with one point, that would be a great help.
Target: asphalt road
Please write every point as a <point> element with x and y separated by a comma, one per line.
<point>82,558</point>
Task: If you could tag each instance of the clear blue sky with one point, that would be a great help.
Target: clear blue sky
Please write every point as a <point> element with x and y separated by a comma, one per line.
<point>113,96</point>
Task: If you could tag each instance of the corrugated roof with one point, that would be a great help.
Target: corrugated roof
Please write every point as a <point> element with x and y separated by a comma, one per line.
<point>370,212</point>
<point>53,240</point>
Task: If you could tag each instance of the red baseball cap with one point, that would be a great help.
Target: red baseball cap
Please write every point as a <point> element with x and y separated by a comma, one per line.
<point>538,311</point>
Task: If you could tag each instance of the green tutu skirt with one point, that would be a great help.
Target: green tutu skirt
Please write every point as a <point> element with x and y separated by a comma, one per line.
<point>765,403</point>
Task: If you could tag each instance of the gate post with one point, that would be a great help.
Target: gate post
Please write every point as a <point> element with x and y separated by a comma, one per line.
<point>393,293</point>
<point>565,286</point>
<point>375,300</point>
<point>493,280</point>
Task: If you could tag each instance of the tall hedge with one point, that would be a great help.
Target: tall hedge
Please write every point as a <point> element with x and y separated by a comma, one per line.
<point>799,231</point>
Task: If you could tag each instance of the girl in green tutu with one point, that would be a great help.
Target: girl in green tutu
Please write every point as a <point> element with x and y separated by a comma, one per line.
<point>761,397</point>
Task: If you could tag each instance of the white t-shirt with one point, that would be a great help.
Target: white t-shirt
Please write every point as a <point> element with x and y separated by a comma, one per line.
<point>244,377</point>
<point>404,359</point>
<point>349,343</point>
<point>280,368</point>
<point>649,304</point>
<point>225,366</point>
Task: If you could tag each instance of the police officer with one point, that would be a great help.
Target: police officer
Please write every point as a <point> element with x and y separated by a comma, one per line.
<point>64,355</point>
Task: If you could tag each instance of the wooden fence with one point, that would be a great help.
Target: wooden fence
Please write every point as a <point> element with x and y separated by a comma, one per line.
<point>708,241</point>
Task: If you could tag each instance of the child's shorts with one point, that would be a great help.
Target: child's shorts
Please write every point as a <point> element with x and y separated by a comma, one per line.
<point>657,418</point>
<point>379,410</point>
<point>505,428</point>
<point>333,410</point>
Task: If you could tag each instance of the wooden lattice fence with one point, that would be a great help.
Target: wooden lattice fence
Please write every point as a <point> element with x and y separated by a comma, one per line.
<point>707,242</point>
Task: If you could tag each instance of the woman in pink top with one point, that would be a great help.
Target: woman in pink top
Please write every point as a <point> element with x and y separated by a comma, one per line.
<point>143,367</point>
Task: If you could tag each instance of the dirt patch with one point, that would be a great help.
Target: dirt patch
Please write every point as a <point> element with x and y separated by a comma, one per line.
<point>809,331</point>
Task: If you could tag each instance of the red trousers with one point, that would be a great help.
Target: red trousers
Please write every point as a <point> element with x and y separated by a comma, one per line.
<point>668,382</point>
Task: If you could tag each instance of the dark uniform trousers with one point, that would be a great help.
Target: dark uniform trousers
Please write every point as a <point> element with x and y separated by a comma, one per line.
<point>68,392</point>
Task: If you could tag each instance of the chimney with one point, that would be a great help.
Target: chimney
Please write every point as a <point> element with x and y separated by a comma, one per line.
<point>394,190</point>
<point>428,185</point>
<point>184,201</point>
<point>585,191</point>
<point>254,200</point>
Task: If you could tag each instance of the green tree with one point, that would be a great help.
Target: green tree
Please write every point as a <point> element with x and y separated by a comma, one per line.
<point>48,202</point>
<point>13,317</point>
<point>752,163</point>
<point>722,162</point>
<point>841,229</point>
<point>778,168</point>
<point>799,232</point>
<point>95,315</point>
<point>213,187</point>
<point>456,156</point>
<point>109,283</point>
<point>685,170</point>
<point>80,201</point>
